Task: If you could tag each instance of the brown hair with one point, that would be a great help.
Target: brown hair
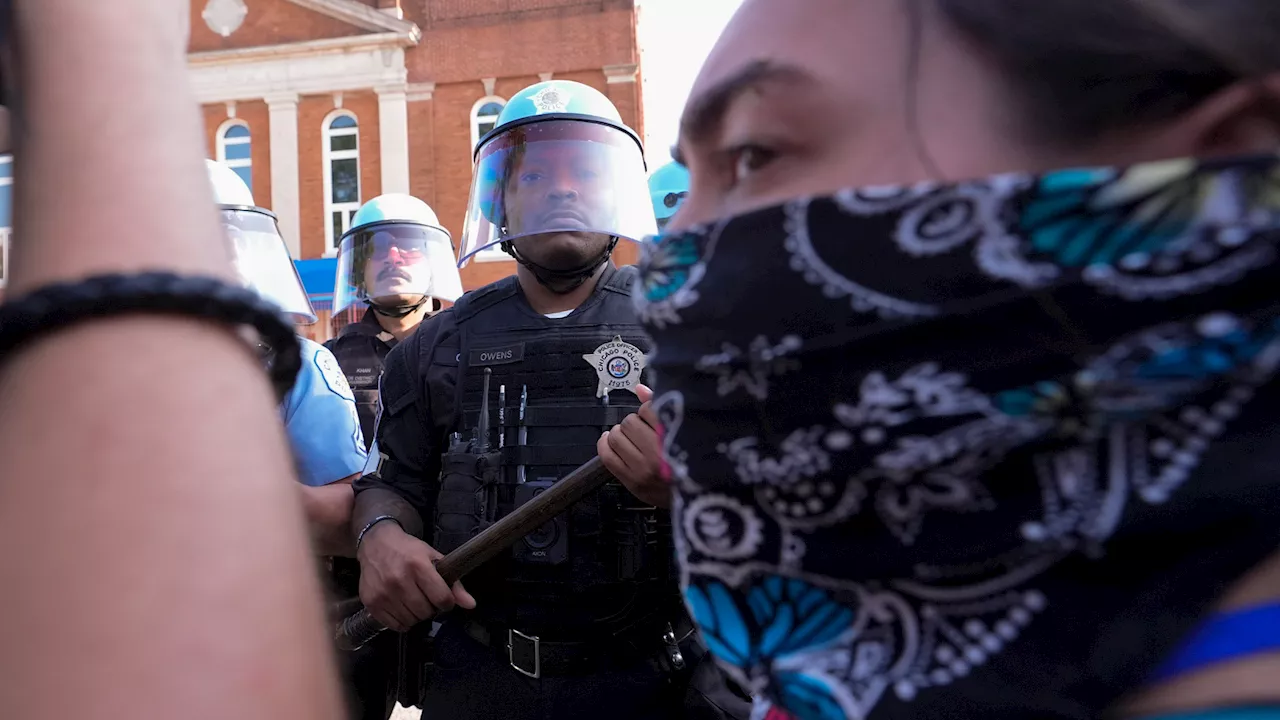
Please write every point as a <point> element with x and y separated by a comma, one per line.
<point>1086,67</point>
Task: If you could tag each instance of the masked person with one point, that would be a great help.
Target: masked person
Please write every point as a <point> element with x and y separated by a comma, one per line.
<point>668,186</point>
<point>578,620</point>
<point>395,267</point>
<point>1001,442</point>
<point>319,413</point>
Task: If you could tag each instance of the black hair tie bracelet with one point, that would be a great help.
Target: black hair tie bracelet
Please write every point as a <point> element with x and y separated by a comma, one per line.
<point>58,305</point>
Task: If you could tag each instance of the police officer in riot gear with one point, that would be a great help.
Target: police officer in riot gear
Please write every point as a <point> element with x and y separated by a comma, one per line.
<point>319,413</point>
<point>395,266</point>
<point>668,187</point>
<point>581,619</point>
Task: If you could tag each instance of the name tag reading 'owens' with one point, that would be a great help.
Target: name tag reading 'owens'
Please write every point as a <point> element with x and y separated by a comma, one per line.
<point>502,355</point>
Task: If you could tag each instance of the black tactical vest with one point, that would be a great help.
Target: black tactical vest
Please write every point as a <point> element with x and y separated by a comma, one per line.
<point>604,564</point>
<point>361,348</point>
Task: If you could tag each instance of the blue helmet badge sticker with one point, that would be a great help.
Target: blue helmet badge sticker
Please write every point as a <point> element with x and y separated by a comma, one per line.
<point>618,365</point>
<point>551,99</point>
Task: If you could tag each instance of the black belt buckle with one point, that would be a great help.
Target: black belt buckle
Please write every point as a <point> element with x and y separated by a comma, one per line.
<point>523,652</point>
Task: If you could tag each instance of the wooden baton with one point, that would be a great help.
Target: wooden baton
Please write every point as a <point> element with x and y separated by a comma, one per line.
<point>357,630</point>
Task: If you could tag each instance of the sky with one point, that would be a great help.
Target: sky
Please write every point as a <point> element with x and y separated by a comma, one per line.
<point>675,37</point>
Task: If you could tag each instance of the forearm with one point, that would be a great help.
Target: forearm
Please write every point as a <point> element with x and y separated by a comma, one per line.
<point>151,493</point>
<point>375,502</point>
<point>328,511</point>
<point>152,548</point>
<point>123,189</point>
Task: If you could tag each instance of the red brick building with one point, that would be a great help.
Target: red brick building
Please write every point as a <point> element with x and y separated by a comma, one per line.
<point>324,104</point>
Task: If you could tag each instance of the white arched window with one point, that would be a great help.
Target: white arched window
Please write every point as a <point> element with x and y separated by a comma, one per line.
<point>235,149</point>
<point>484,117</point>
<point>341,175</point>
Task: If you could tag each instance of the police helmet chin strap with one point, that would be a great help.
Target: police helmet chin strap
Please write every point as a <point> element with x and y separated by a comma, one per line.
<point>398,311</point>
<point>562,282</point>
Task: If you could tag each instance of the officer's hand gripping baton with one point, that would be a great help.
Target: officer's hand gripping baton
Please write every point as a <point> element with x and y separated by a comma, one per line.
<point>356,631</point>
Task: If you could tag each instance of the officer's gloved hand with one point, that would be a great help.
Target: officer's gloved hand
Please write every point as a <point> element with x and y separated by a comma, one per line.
<point>632,452</point>
<point>398,579</point>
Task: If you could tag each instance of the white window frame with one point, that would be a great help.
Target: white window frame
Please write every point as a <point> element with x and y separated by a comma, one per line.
<point>6,233</point>
<point>224,141</point>
<point>329,156</point>
<point>493,253</point>
<point>477,118</point>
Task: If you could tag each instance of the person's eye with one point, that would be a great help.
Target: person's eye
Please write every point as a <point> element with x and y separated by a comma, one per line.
<point>745,159</point>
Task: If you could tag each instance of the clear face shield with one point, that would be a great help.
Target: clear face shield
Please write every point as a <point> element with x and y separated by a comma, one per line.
<point>394,265</point>
<point>554,177</point>
<point>262,261</point>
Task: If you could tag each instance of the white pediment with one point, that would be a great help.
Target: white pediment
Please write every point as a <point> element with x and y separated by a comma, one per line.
<point>329,65</point>
<point>318,67</point>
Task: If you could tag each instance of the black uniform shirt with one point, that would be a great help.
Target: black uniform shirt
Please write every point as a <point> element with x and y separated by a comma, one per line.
<point>361,349</point>
<point>407,440</point>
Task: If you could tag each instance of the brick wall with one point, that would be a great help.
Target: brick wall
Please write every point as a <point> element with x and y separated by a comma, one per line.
<point>312,113</point>
<point>313,110</point>
<point>269,22</point>
<point>254,114</point>
<point>463,42</point>
<point>521,47</point>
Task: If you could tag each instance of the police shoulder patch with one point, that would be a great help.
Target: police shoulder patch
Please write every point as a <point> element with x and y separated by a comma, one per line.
<point>329,369</point>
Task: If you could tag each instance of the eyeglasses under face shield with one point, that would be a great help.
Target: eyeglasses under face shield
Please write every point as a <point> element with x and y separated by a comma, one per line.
<point>395,264</point>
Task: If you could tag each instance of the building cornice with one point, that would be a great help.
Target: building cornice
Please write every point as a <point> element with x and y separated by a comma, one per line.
<point>615,74</point>
<point>363,17</point>
<point>320,67</point>
<point>297,50</point>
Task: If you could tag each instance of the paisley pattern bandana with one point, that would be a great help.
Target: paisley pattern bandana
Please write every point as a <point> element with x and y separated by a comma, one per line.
<point>956,450</point>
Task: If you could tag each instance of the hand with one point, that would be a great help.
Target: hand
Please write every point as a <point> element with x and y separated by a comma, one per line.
<point>631,452</point>
<point>398,579</point>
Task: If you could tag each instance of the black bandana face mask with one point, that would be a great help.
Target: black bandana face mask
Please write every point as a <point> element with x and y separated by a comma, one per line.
<point>977,449</point>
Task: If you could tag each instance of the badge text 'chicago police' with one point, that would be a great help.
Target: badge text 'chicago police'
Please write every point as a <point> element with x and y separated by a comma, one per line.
<point>618,364</point>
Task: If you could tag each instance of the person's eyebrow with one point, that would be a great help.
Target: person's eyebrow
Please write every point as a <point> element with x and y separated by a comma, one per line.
<point>704,113</point>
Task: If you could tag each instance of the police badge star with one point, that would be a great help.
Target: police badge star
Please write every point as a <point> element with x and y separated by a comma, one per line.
<point>550,100</point>
<point>618,365</point>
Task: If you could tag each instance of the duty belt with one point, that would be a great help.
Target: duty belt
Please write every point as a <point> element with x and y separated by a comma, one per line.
<point>531,656</point>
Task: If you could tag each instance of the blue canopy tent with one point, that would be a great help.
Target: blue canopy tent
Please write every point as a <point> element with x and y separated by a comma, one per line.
<point>317,278</point>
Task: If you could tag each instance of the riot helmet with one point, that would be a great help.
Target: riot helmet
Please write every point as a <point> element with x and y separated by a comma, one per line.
<point>668,187</point>
<point>559,166</point>
<point>396,257</point>
<point>258,253</point>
